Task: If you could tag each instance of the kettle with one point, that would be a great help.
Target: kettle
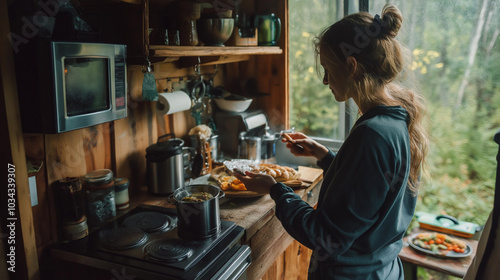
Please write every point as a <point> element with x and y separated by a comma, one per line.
<point>269,140</point>
<point>269,29</point>
<point>165,165</point>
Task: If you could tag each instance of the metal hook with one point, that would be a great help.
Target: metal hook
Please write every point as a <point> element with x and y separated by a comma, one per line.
<point>146,67</point>
<point>197,67</point>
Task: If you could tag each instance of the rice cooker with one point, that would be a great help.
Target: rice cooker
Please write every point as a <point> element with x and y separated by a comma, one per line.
<point>165,166</point>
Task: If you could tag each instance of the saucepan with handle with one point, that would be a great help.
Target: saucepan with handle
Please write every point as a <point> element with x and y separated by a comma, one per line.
<point>198,218</point>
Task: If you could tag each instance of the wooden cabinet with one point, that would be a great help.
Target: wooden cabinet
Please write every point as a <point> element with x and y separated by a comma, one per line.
<point>120,145</point>
<point>293,263</point>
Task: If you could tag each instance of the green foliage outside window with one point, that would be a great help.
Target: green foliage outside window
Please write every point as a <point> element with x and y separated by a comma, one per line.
<point>442,35</point>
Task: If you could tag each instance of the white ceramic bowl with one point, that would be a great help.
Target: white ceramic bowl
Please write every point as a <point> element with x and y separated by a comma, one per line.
<point>233,105</point>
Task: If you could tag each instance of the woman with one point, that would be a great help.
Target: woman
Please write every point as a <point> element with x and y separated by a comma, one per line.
<point>369,190</point>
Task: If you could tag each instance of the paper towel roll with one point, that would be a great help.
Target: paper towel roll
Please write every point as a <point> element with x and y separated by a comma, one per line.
<point>172,102</point>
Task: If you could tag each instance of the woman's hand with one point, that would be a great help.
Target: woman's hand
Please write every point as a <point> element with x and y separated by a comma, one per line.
<point>256,182</point>
<point>301,145</point>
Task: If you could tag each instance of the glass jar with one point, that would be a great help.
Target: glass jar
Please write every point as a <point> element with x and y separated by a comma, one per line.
<point>121,193</point>
<point>100,192</point>
<point>70,199</point>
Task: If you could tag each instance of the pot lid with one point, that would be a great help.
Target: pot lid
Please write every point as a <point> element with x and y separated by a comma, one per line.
<point>268,136</point>
<point>163,150</point>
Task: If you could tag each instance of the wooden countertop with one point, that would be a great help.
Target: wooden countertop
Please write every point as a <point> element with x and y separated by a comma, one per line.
<point>252,213</point>
<point>263,231</point>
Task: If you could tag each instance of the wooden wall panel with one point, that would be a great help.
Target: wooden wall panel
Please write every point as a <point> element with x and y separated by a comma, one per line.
<point>77,152</point>
<point>44,214</point>
<point>132,136</point>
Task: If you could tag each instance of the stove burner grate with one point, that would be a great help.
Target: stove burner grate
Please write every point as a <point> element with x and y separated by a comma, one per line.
<point>123,238</point>
<point>169,250</point>
<point>150,221</point>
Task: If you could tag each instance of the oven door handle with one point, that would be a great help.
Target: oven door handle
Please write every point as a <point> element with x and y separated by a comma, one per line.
<point>236,266</point>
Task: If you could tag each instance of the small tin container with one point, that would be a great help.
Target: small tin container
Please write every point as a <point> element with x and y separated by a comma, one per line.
<point>121,193</point>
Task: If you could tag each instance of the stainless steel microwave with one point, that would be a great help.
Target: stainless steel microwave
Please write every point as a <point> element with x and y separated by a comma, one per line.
<point>65,86</point>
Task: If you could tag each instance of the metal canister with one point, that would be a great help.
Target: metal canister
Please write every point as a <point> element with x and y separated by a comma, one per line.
<point>165,167</point>
<point>213,143</point>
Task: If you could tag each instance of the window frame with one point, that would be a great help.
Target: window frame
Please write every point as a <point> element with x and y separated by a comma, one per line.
<point>347,108</point>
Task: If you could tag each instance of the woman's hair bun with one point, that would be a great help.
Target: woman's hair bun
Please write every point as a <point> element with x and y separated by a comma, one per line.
<point>392,18</point>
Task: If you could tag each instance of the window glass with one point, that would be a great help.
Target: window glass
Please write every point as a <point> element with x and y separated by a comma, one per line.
<point>455,59</point>
<point>313,109</point>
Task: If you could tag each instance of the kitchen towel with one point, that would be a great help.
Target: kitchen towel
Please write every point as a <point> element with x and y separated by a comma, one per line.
<point>173,102</point>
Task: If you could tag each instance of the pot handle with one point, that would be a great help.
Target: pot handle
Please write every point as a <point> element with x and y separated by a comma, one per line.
<point>222,194</point>
<point>164,136</point>
<point>171,199</point>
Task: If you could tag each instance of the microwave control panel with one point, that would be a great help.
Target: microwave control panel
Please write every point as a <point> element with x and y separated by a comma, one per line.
<point>120,78</point>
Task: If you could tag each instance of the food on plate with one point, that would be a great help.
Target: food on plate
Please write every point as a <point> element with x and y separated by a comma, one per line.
<point>228,181</point>
<point>241,165</point>
<point>439,243</point>
<point>198,197</point>
<point>278,172</point>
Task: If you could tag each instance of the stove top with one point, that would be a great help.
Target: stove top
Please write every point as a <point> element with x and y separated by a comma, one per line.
<point>145,240</point>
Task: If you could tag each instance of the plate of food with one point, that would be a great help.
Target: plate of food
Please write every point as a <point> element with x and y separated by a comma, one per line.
<point>233,187</point>
<point>440,245</point>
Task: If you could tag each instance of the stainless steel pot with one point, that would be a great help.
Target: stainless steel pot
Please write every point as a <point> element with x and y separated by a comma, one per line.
<point>188,154</point>
<point>165,166</point>
<point>213,142</point>
<point>249,147</point>
<point>197,220</point>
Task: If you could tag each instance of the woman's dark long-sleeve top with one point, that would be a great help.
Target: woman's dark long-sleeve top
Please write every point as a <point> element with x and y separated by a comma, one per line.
<point>364,205</point>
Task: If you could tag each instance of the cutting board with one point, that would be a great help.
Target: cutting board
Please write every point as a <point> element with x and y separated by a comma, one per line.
<point>310,175</point>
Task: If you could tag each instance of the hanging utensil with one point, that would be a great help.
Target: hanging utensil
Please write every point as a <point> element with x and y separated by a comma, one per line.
<point>149,91</point>
<point>197,94</point>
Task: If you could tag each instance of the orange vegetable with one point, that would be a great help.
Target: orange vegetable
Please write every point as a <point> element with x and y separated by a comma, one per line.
<point>431,241</point>
<point>441,236</point>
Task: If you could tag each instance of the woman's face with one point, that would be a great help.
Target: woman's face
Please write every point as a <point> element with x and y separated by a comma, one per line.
<point>335,75</point>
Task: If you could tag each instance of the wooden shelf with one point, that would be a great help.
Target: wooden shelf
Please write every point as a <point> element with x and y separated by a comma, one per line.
<point>180,51</point>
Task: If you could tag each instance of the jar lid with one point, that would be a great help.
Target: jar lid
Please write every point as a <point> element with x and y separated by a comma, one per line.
<point>121,184</point>
<point>99,176</point>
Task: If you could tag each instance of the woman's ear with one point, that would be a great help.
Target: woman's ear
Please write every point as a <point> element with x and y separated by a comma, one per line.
<point>352,66</point>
